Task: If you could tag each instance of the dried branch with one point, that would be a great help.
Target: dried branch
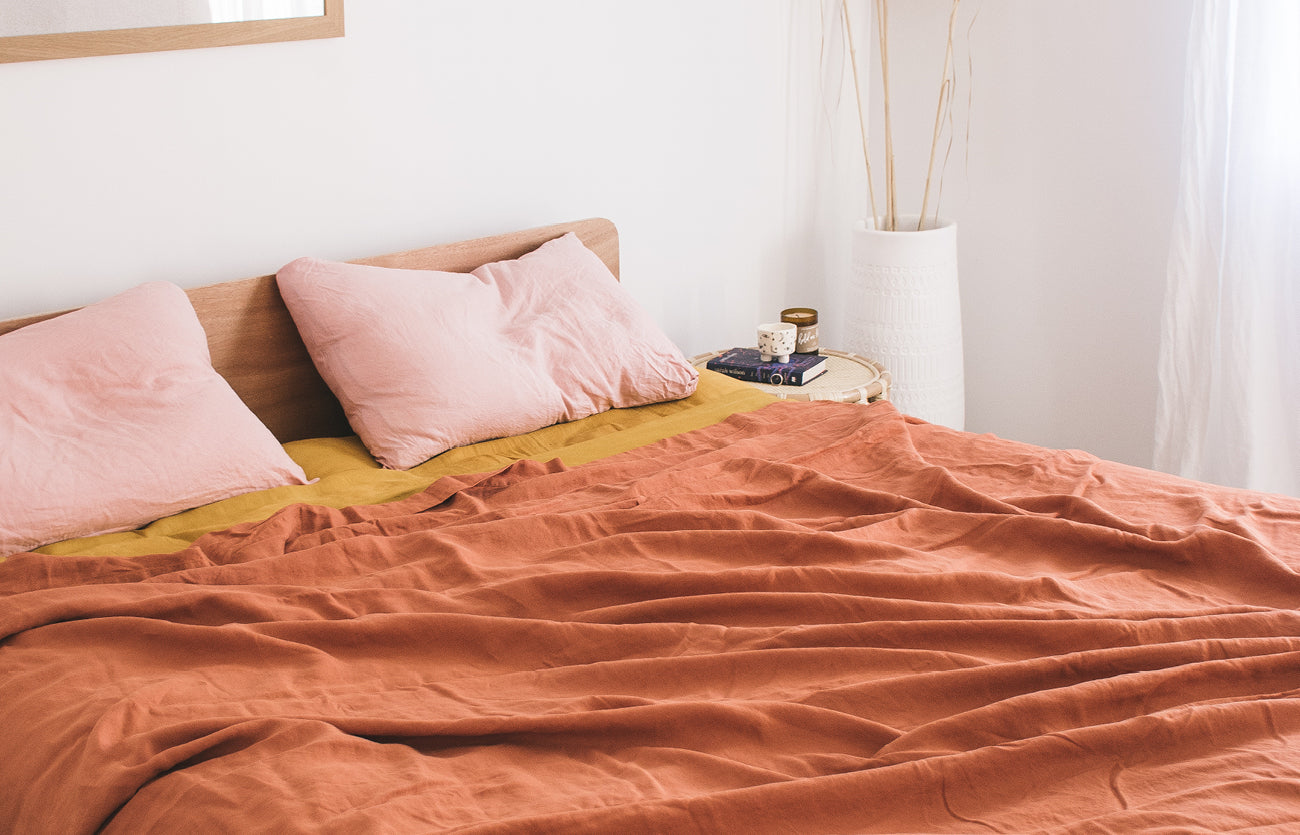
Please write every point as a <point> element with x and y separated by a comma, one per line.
<point>891,188</point>
<point>857,97</point>
<point>943,114</point>
<point>945,103</point>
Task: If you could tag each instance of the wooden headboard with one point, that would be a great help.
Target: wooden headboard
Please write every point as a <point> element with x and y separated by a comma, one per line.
<point>256,347</point>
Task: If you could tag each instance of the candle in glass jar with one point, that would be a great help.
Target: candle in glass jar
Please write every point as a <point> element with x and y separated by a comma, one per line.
<point>805,319</point>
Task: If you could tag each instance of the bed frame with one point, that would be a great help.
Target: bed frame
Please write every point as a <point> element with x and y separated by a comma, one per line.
<point>256,347</point>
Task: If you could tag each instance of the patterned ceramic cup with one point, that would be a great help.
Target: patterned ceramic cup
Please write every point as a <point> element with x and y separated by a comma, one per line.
<point>776,340</point>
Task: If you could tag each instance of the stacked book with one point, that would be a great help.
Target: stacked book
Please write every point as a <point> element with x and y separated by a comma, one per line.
<point>748,364</point>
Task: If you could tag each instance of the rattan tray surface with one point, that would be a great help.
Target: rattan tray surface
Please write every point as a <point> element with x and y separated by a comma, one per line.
<point>849,378</point>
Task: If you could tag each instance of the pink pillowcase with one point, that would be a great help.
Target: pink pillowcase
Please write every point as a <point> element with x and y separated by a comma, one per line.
<point>424,361</point>
<point>111,417</point>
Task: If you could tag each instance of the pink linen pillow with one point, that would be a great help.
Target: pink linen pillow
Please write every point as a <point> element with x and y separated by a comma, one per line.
<point>424,360</point>
<point>112,416</point>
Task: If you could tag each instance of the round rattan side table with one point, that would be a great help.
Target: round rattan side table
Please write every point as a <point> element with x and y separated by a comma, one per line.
<point>849,378</point>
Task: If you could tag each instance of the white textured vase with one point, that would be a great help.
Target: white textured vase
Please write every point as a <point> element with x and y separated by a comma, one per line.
<point>905,312</point>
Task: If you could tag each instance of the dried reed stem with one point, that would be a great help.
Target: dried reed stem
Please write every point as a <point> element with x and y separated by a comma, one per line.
<point>970,108</point>
<point>970,76</point>
<point>943,109</point>
<point>891,189</point>
<point>945,102</point>
<point>857,97</point>
<point>934,144</point>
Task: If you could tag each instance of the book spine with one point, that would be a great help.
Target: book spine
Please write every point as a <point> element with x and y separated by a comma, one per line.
<point>793,377</point>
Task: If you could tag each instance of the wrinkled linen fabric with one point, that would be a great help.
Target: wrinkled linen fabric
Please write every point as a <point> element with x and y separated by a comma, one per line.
<point>342,473</point>
<point>811,618</point>
<point>424,361</point>
<point>112,416</point>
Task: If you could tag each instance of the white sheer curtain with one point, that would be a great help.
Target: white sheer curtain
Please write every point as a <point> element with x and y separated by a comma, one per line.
<point>1229,407</point>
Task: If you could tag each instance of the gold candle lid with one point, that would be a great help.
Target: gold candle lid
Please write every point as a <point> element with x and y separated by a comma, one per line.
<point>799,316</point>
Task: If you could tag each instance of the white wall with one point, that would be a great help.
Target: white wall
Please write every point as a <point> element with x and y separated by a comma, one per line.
<point>428,122</point>
<point>1064,208</point>
<point>438,121</point>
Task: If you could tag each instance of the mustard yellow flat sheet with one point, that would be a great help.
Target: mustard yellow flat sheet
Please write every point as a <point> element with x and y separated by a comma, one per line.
<point>347,475</point>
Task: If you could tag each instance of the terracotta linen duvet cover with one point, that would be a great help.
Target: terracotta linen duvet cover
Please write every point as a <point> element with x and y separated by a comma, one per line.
<point>812,618</point>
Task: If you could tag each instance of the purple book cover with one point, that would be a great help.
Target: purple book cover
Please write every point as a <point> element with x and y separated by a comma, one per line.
<point>747,364</point>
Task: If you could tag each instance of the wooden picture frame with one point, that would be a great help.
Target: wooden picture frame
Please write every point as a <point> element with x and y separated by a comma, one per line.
<point>164,38</point>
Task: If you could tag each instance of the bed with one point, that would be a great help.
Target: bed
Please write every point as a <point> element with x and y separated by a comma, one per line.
<point>711,613</point>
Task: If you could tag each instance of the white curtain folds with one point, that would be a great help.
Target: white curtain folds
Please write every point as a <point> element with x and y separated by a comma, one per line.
<point>1229,403</point>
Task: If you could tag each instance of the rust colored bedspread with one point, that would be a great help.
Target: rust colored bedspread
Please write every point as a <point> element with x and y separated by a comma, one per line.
<point>814,618</point>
